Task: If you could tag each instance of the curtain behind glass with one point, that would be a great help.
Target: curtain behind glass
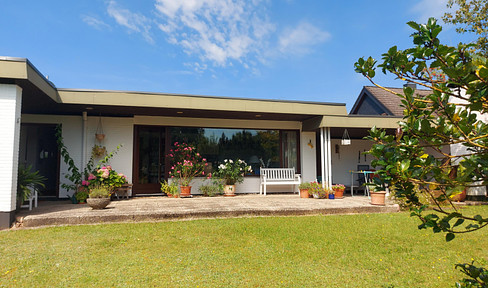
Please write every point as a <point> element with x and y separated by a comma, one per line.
<point>289,150</point>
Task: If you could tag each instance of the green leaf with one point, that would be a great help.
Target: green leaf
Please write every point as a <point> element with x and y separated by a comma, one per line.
<point>483,73</point>
<point>479,219</point>
<point>414,25</point>
<point>450,236</point>
<point>458,222</point>
<point>405,165</point>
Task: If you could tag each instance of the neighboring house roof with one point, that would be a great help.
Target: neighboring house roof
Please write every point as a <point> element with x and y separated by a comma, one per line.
<point>375,101</point>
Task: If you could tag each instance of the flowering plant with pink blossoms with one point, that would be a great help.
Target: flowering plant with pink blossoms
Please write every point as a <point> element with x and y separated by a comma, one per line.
<point>105,176</point>
<point>186,163</point>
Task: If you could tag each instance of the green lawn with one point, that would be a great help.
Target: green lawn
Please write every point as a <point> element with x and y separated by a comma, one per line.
<point>374,250</point>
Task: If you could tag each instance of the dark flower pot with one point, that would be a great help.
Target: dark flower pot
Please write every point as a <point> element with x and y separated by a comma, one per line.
<point>331,196</point>
<point>98,203</point>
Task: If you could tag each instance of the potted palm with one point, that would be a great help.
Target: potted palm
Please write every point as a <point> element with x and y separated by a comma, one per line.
<point>304,188</point>
<point>27,179</point>
<point>187,164</point>
<point>232,172</point>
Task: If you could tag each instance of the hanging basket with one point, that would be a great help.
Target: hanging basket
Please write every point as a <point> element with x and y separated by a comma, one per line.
<point>99,135</point>
<point>346,140</point>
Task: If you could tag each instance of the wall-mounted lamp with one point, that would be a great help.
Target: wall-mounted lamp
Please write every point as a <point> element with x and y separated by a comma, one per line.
<point>310,144</point>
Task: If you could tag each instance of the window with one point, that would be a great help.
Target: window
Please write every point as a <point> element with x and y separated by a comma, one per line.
<point>259,148</point>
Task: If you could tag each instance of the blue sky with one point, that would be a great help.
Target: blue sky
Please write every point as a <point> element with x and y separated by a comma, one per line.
<point>271,49</point>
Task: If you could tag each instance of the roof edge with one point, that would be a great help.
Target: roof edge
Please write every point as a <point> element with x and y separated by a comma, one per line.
<point>199,96</point>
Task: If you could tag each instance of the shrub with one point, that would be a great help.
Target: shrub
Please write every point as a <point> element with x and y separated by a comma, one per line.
<point>100,192</point>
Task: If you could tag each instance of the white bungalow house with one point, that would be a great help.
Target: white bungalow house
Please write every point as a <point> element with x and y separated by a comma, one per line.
<point>271,133</point>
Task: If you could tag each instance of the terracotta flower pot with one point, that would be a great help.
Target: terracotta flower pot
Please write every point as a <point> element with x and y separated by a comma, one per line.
<point>378,198</point>
<point>304,193</point>
<point>339,193</point>
<point>229,190</point>
<point>100,137</point>
<point>185,191</point>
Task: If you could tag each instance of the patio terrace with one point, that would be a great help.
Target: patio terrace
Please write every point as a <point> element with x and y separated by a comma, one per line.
<point>147,209</point>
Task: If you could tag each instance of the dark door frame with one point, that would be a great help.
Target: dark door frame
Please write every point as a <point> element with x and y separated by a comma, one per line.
<point>58,157</point>
<point>149,188</point>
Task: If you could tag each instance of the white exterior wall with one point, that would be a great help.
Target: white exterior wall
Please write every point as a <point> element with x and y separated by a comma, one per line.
<point>10,106</point>
<point>459,149</point>
<point>118,132</point>
<point>308,156</point>
<point>347,158</point>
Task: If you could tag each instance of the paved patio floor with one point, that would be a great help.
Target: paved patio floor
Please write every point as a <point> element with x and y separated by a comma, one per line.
<point>143,209</point>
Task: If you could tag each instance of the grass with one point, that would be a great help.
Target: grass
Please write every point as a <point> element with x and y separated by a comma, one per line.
<point>372,250</point>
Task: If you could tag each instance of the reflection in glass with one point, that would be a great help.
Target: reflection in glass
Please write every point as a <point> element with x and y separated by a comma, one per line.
<point>290,153</point>
<point>150,150</point>
<point>259,148</point>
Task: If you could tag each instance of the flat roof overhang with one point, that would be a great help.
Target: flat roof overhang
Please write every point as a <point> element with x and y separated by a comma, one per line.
<point>40,96</point>
<point>358,126</point>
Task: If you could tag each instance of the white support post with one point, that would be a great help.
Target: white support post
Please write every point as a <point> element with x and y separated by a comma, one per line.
<point>10,113</point>
<point>329,159</point>
<point>322,152</point>
<point>84,128</point>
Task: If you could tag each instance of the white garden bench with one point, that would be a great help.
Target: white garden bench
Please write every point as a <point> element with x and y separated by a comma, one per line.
<point>278,176</point>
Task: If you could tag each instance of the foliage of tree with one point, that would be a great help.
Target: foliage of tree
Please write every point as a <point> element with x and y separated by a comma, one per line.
<point>417,163</point>
<point>471,16</point>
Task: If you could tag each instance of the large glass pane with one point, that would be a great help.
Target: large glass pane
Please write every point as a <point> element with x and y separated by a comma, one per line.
<point>289,150</point>
<point>149,155</point>
<point>259,148</point>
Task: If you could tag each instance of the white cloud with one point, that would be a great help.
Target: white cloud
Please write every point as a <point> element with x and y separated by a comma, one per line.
<point>218,31</point>
<point>429,8</point>
<point>133,21</point>
<point>300,39</point>
<point>95,22</point>
<point>221,32</point>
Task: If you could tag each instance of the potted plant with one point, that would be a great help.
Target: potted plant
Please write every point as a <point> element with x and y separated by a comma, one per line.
<point>101,183</point>
<point>170,189</point>
<point>214,188</point>
<point>317,191</point>
<point>338,190</point>
<point>98,151</point>
<point>27,179</point>
<point>99,197</point>
<point>304,188</point>
<point>378,189</point>
<point>330,193</point>
<point>232,172</point>
<point>187,164</point>
<point>81,195</point>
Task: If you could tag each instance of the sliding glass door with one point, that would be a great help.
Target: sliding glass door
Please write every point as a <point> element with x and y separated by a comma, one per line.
<point>149,168</point>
